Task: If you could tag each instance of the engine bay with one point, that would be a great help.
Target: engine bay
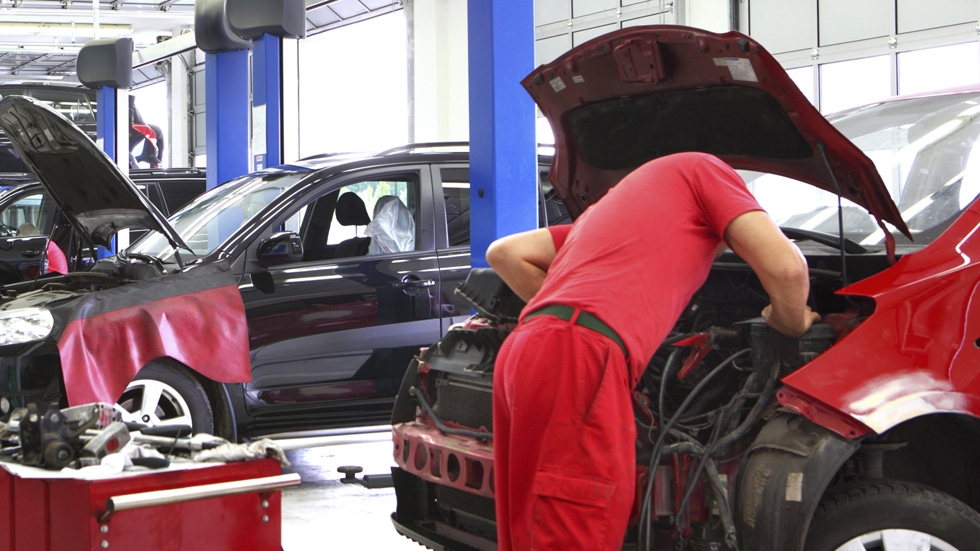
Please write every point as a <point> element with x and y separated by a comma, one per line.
<point>698,405</point>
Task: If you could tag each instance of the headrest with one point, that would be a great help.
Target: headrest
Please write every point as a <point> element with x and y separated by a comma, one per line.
<point>351,210</point>
<point>382,201</point>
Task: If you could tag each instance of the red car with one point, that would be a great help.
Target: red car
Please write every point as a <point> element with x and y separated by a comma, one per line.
<point>862,434</point>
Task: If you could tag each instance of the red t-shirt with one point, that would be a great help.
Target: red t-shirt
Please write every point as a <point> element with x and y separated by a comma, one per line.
<point>635,258</point>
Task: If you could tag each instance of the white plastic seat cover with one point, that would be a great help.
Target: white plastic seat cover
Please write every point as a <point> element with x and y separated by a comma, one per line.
<point>392,229</point>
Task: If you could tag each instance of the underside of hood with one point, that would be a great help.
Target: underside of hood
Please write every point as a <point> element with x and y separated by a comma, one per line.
<point>94,195</point>
<point>637,94</point>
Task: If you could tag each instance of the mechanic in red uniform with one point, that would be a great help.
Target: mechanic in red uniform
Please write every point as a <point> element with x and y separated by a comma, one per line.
<point>602,294</point>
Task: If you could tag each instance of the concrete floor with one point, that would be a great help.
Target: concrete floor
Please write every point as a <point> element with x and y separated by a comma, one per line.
<point>323,513</point>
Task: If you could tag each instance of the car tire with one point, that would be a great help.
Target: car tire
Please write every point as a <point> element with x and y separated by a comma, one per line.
<point>878,515</point>
<point>165,394</point>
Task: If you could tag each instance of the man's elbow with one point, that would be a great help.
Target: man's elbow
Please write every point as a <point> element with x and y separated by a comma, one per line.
<point>496,254</point>
<point>797,275</point>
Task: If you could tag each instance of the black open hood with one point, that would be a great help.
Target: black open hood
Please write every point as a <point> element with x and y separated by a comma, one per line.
<point>95,196</point>
<point>624,98</point>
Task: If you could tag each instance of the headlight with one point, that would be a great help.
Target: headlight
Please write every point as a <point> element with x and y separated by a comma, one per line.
<point>25,325</point>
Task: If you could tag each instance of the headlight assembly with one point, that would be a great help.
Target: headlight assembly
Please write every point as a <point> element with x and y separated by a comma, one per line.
<point>25,325</point>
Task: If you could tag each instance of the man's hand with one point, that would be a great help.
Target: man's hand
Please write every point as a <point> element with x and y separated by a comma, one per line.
<point>809,318</point>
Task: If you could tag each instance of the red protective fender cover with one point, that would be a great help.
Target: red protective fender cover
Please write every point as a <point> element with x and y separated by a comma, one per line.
<point>196,317</point>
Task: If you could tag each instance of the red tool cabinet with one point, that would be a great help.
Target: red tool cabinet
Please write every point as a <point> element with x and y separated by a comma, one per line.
<point>233,506</point>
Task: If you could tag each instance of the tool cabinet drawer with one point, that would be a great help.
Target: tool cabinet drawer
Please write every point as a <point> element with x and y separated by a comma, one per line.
<point>218,507</point>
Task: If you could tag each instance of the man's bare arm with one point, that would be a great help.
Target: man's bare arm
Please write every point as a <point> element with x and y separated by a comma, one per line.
<point>522,260</point>
<point>781,268</point>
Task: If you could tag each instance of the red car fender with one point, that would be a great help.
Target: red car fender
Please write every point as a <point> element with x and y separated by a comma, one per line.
<point>196,318</point>
<point>916,354</point>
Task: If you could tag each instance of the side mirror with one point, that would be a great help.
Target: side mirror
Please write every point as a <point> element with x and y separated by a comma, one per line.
<point>280,248</point>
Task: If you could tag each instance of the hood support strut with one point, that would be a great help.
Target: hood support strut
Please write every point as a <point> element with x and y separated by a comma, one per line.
<point>840,214</point>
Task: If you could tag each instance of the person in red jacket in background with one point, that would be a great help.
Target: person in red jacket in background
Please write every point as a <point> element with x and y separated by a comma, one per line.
<point>55,260</point>
<point>602,294</point>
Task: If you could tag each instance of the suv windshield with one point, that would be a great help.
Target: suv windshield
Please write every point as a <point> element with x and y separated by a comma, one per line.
<point>924,149</point>
<point>209,220</point>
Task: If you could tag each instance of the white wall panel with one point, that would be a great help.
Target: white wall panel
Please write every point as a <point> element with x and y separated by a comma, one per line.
<point>849,21</point>
<point>581,37</point>
<point>586,7</point>
<point>551,11</point>
<point>782,25</point>
<point>915,15</point>
<point>546,50</point>
<point>711,15</point>
<point>661,19</point>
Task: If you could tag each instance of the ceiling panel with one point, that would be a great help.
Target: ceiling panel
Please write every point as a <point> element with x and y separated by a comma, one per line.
<point>39,39</point>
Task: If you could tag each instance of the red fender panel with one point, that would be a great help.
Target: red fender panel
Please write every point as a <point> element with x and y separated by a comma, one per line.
<point>196,317</point>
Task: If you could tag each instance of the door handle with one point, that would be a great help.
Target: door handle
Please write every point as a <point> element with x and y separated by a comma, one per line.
<point>31,253</point>
<point>412,284</point>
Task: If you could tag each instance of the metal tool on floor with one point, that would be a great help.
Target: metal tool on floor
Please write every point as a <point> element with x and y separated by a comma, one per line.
<point>370,481</point>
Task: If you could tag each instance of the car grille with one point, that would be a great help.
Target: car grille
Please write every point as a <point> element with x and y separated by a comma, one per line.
<point>465,404</point>
<point>466,502</point>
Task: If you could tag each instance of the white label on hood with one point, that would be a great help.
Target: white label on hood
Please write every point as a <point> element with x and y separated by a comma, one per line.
<point>578,79</point>
<point>740,67</point>
<point>557,84</point>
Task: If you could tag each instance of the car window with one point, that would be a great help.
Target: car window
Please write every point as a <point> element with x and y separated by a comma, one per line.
<point>213,217</point>
<point>23,216</point>
<point>457,197</point>
<point>456,193</point>
<point>368,217</point>
<point>152,192</point>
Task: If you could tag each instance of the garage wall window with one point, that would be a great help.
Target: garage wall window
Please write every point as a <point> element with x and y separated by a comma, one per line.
<point>353,87</point>
<point>937,68</point>
<point>853,83</point>
<point>843,53</point>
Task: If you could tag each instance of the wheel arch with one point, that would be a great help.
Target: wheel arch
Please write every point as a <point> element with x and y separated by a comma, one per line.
<point>939,450</point>
<point>787,469</point>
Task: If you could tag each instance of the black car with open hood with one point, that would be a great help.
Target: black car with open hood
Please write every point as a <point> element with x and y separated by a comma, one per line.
<point>93,330</point>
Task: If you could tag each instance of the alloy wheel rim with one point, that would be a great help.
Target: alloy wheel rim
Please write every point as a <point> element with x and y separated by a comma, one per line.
<point>896,540</point>
<point>153,403</point>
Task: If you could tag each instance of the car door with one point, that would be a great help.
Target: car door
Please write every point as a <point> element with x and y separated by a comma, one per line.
<point>26,218</point>
<point>331,335</point>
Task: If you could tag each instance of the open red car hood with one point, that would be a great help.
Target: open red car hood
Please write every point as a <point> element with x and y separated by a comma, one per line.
<point>624,98</point>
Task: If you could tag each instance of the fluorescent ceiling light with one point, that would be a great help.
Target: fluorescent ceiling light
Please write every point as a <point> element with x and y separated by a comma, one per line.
<point>62,29</point>
<point>16,48</point>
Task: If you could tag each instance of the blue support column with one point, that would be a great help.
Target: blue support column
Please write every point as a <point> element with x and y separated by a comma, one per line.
<point>105,121</point>
<point>105,130</point>
<point>267,101</point>
<point>503,153</point>
<point>226,115</point>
